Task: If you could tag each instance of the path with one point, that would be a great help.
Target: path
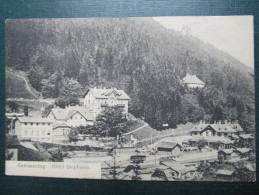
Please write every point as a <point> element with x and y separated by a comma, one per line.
<point>26,83</point>
<point>136,129</point>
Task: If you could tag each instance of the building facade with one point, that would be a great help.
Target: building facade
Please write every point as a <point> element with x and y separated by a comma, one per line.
<point>97,99</point>
<point>40,129</point>
<point>217,135</point>
<point>217,129</point>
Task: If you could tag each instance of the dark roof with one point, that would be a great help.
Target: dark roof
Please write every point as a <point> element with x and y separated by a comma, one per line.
<point>170,145</point>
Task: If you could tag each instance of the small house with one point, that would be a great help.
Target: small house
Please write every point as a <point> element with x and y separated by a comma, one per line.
<point>192,81</point>
<point>246,140</point>
<point>225,175</point>
<point>61,131</point>
<point>179,171</point>
<point>168,148</point>
<point>224,155</point>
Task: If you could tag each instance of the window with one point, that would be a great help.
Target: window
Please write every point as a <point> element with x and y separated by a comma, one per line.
<point>218,134</point>
<point>207,133</point>
<point>37,123</point>
<point>48,124</point>
<point>43,124</point>
<point>31,123</point>
<point>25,123</point>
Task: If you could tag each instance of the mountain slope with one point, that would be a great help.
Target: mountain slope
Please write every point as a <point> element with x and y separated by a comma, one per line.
<point>65,56</point>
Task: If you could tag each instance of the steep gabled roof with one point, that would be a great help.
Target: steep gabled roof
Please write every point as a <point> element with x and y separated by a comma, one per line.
<point>59,113</point>
<point>192,79</point>
<point>65,113</point>
<point>83,111</point>
<point>103,93</point>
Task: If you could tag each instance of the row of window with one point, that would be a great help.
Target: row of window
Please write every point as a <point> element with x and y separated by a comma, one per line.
<point>76,117</point>
<point>37,124</point>
<point>106,101</point>
<point>36,132</point>
<point>218,134</point>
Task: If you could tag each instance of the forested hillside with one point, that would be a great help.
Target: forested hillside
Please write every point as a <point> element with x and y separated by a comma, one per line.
<point>63,57</point>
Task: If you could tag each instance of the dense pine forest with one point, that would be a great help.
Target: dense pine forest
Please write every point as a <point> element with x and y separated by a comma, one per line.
<point>63,57</point>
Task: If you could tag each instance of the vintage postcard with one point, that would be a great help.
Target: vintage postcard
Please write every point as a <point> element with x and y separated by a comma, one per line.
<point>161,99</point>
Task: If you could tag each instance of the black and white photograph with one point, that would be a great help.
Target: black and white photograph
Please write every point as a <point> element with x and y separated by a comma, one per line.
<point>141,98</point>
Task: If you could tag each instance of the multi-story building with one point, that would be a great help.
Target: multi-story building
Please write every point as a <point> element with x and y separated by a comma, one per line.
<point>216,135</point>
<point>96,99</point>
<point>218,129</point>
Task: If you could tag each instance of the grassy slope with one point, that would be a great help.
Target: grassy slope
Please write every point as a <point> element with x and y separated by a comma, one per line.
<point>15,87</point>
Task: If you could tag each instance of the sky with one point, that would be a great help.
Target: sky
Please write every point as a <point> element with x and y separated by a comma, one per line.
<point>231,34</point>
